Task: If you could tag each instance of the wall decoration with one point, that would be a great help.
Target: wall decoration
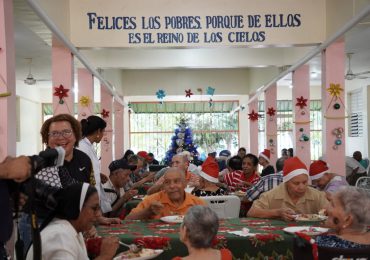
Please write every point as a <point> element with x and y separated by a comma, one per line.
<point>304,137</point>
<point>85,101</point>
<point>338,132</point>
<point>302,104</point>
<point>210,91</point>
<point>105,113</point>
<point>160,95</point>
<point>253,116</point>
<point>335,90</point>
<point>271,112</point>
<point>188,93</point>
<point>6,94</point>
<point>61,93</point>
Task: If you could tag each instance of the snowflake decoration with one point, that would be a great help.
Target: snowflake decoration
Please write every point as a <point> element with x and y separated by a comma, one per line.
<point>253,116</point>
<point>334,90</point>
<point>188,93</point>
<point>61,93</point>
<point>271,111</point>
<point>160,94</point>
<point>210,91</point>
<point>301,102</point>
<point>104,113</point>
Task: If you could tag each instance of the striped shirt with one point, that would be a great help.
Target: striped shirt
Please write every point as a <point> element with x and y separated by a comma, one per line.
<point>266,183</point>
<point>234,178</point>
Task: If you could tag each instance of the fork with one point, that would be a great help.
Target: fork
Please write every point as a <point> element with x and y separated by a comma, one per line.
<point>134,248</point>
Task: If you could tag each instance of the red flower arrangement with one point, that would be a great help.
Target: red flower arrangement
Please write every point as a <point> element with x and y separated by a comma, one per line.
<point>253,116</point>
<point>262,239</point>
<point>61,93</point>
<point>93,246</point>
<point>153,242</point>
<point>219,242</point>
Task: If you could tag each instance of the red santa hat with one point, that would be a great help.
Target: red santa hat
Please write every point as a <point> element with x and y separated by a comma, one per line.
<point>318,169</point>
<point>210,170</point>
<point>292,168</point>
<point>265,154</point>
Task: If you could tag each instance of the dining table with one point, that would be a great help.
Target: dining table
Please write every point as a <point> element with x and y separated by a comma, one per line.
<point>268,239</point>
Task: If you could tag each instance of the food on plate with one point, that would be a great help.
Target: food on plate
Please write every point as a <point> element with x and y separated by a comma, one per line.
<point>310,217</point>
<point>179,218</point>
<point>144,252</point>
<point>311,231</point>
<point>322,212</point>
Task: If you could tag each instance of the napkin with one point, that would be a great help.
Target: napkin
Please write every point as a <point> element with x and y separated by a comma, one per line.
<point>242,233</point>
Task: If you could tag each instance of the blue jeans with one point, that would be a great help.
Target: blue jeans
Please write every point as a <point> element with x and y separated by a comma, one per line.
<point>25,230</point>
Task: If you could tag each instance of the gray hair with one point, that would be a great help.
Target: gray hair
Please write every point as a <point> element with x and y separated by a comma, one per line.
<point>184,157</point>
<point>355,202</point>
<point>201,224</point>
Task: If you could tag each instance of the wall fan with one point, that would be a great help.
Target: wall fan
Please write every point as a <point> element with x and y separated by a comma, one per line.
<point>350,75</point>
<point>30,80</point>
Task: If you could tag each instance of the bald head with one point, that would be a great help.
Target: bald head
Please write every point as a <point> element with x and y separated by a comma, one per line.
<point>174,184</point>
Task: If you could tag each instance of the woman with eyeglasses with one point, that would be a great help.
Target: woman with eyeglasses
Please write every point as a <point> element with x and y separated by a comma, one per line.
<point>65,131</point>
<point>77,210</point>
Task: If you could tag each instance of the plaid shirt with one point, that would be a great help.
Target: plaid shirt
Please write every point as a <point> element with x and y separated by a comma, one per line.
<point>266,183</point>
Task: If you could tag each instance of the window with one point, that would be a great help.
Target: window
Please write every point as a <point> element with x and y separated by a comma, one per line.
<point>355,124</point>
<point>214,128</point>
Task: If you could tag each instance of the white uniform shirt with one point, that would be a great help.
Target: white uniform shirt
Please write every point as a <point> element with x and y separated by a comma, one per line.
<point>60,241</point>
<point>351,164</point>
<point>85,146</point>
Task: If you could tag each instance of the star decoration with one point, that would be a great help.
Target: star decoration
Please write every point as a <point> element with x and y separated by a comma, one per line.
<point>253,116</point>
<point>160,94</point>
<point>210,91</point>
<point>85,101</point>
<point>61,93</point>
<point>334,90</point>
<point>104,113</point>
<point>188,93</point>
<point>301,102</point>
<point>271,111</point>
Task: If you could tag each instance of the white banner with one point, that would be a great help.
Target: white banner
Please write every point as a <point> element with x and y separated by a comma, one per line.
<point>196,23</point>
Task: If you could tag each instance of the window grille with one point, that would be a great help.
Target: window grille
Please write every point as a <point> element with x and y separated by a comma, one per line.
<point>355,100</point>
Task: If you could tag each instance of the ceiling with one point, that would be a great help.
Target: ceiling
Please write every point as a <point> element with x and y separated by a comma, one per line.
<point>33,40</point>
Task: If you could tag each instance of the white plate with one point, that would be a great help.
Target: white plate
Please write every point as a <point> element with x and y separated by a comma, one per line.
<point>156,252</point>
<point>139,197</point>
<point>173,219</point>
<point>310,217</point>
<point>311,231</point>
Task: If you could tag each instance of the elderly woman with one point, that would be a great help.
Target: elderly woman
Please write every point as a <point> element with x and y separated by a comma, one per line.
<point>197,232</point>
<point>349,215</point>
<point>76,211</point>
<point>209,179</point>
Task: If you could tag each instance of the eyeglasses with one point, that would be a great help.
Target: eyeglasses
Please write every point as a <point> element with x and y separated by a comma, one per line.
<point>65,133</point>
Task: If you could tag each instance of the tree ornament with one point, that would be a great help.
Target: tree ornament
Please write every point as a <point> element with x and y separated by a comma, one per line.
<point>338,132</point>
<point>61,93</point>
<point>301,129</point>
<point>105,113</point>
<point>188,93</point>
<point>336,106</point>
<point>253,116</point>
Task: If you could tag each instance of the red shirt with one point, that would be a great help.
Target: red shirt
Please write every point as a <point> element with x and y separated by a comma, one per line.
<point>236,177</point>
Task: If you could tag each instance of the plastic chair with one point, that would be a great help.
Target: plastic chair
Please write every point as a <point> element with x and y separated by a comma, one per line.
<point>363,183</point>
<point>227,206</point>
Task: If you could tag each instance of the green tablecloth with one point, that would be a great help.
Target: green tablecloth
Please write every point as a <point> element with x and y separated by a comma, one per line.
<point>272,243</point>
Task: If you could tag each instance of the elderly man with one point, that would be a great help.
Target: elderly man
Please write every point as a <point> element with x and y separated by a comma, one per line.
<point>354,168</point>
<point>172,200</point>
<point>292,197</point>
<point>179,161</point>
<point>115,194</point>
<point>323,179</point>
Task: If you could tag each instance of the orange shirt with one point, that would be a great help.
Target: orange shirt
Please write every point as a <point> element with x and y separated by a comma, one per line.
<point>169,208</point>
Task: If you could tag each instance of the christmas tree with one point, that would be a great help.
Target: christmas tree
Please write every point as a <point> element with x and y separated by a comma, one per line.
<point>182,140</point>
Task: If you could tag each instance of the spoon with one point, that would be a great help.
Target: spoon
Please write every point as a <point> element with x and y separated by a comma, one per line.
<point>132,247</point>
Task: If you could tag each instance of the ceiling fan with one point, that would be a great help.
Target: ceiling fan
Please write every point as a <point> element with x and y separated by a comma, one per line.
<point>350,75</point>
<point>30,80</point>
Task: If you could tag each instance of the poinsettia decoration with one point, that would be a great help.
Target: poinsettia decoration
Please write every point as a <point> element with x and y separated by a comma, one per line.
<point>188,93</point>
<point>61,93</point>
<point>301,102</point>
<point>253,116</point>
<point>105,113</point>
<point>219,242</point>
<point>262,239</point>
<point>153,242</point>
<point>85,101</point>
<point>271,111</point>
